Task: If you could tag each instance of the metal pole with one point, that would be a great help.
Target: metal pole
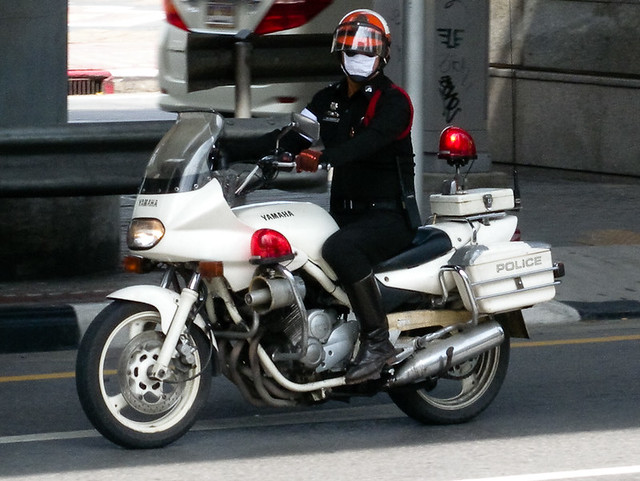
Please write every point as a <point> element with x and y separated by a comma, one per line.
<point>414,28</point>
<point>243,76</point>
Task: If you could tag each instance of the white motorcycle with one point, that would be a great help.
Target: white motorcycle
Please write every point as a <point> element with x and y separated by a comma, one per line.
<point>246,293</point>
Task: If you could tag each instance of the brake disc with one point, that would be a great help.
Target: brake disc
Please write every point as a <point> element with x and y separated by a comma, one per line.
<point>143,393</point>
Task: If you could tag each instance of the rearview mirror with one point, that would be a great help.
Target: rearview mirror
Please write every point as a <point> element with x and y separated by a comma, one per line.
<point>305,126</point>
<point>308,128</point>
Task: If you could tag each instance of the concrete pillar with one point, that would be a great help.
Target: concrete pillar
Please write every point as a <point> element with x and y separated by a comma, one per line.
<point>455,39</point>
<point>33,62</point>
<point>58,236</point>
<point>456,74</point>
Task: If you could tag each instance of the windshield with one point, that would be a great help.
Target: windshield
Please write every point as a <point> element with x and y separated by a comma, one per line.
<point>182,160</point>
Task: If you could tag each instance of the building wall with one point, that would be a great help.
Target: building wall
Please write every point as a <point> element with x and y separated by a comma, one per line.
<point>564,85</point>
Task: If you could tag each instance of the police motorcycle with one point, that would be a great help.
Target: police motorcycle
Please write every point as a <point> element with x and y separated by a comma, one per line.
<point>246,293</point>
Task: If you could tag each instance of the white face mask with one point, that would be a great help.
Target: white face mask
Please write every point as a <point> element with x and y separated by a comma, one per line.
<point>358,66</point>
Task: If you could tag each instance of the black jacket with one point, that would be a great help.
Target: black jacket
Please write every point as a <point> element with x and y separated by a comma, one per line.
<point>364,157</point>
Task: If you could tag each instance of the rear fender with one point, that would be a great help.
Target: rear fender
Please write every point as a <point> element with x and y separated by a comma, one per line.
<point>164,300</point>
<point>513,323</point>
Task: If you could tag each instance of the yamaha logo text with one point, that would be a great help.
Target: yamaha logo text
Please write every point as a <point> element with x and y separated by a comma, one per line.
<point>148,202</point>
<point>278,215</point>
<point>517,264</point>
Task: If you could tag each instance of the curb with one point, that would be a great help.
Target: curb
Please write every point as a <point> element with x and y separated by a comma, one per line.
<point>551,312</point>
<point>135,80</point>
<point>41,328</point>
<point>592,311</point>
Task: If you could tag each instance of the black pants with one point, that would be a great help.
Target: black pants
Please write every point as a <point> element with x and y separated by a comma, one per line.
<point>364,240</point>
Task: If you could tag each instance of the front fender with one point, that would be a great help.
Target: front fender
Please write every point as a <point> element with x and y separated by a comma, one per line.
<point>164,300</point>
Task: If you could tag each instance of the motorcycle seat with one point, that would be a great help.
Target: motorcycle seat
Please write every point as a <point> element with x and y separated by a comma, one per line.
<point>428,244</point>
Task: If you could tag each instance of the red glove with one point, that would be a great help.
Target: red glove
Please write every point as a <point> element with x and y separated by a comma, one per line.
<point>307,160</point>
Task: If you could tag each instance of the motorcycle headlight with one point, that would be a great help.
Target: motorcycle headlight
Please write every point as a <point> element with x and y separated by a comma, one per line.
<point>144,234</point>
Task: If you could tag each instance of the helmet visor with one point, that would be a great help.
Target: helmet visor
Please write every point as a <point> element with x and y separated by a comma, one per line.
<point>357,38</point>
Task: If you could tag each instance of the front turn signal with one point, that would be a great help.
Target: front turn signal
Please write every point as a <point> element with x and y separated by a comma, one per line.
<point>210,269</point>
<point>137,265</point>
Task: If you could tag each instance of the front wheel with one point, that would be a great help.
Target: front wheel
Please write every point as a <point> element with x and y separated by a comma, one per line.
<point>461,393</point>
<point>122,401</point>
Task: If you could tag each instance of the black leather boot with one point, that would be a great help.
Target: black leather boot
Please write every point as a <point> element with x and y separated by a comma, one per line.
<point>375,347</point>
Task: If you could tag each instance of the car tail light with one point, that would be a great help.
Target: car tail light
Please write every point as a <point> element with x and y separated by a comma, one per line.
<point>286,14</point>
<point>173,17</point>
<point>287,100</point>
<point>269,244</point>
<point>517,236</point>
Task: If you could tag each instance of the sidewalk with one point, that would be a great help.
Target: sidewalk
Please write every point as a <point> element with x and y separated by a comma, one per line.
<point>588,220</point>
<point>122,39</point>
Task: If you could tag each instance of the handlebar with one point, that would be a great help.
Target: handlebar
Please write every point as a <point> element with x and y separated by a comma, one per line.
<point>270,165</point>
<point>291,166</point>
<point>285,166</point>
<point>284,162</point>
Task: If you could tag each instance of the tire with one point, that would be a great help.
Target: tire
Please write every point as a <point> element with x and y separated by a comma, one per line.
<point>461,394</point>
<point>121,402</point>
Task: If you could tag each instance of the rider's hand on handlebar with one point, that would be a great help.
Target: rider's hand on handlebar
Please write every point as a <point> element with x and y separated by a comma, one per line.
<point>307,160</point>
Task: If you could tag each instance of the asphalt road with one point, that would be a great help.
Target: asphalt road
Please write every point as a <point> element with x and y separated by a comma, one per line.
<point>568,410</point>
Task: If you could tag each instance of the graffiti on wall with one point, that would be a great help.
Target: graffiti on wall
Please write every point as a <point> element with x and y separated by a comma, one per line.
<point>454,73</point>
<point>451,102</point>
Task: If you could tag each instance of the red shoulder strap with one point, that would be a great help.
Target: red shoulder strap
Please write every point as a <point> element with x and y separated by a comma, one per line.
<point>371,109</point>
<point>406,131</point>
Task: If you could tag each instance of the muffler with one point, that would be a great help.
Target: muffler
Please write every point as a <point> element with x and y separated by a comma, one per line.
<point>265,295</point>
<point>439,356</point>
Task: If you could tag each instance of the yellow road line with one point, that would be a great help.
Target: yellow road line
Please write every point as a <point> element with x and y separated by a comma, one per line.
<point>44,377</point>
<point>38,377</point>
<point>558,342</point>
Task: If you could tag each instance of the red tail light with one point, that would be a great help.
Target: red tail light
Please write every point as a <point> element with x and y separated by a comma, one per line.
<point>286,14</point>
<point>173,17</point>
<point>516,236</point>
<point>269,244</point>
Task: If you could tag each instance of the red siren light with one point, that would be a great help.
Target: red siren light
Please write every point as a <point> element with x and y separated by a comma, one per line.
<point>456,146</point>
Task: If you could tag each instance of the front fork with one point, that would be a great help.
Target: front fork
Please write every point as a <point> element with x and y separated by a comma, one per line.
<point>188,298</point>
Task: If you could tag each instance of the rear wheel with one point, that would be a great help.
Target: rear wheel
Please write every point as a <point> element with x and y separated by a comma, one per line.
<point>119,397</point>
<point>462,393</point>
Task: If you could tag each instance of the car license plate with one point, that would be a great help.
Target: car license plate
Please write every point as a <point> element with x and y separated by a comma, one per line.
<point>221,14</point>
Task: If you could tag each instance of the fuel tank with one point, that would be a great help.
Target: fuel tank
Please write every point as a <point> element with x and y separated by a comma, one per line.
<point>305,225</point>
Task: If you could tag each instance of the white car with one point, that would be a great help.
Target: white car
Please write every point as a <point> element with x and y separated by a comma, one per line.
<point>289,55</point>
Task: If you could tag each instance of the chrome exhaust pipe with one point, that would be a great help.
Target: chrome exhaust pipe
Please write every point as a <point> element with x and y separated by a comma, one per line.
<point>265,295</point>
<point>439,356</point>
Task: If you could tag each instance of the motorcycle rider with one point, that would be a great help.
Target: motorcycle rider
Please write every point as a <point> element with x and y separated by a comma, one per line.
<point>365,122</point>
